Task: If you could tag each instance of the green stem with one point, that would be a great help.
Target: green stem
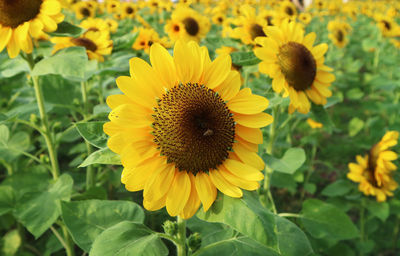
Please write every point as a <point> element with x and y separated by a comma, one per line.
<point>396,233</point>
<point>90,175</point>
<point>362,225</point>
<point>68,241</point>
<point>45,123</point>
<point>293,215</point>
<point>310,170</point>
<point>181,236</point>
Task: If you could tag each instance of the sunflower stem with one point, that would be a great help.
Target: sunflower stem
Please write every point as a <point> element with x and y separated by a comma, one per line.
<point>90,175</point>
<point>181,236</point>
<point>45,123</point>
<point>362,224</point>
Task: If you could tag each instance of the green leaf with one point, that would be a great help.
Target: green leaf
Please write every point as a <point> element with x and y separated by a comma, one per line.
<point>323,220</point>
<point>7,199</point>
<point>67,29</point>
<point>292,160</point>
<point>244,58</point>
<point>93,133</point>
<point>11,242</point>
<point>85,220</point>
<point>355,126</point>
<point>38,211</point>
<point>128,238</point>
<point>241,245</point>
<point>69,63</point>
<point>338,188</point>
<point>4,135</point>
<point>125,41</point>
<point>321,116</point>
<point>354,94</point>
<point>378,209</point>
<point>249,217</point>
<point>102,156</point>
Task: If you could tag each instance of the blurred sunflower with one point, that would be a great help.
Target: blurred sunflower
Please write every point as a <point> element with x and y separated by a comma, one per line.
<point>174,29</point>
<point>112,25</point>
<point>96,24</point>
<point>83,10</point>
<point>128,10</point>
<point>146,38</point>
<point>195,25</point>
<point>314,124</point>
<point>296,67</point>
<point>338,32</point>
<point>184,129</point>
<point>22,19</point>
<point>218,18</point>
<point>250,26</point>
<point>269,16</point>
<point>374,170</point>
<point>387,25</point>
<point>287,10</point>
<point>305,18</point>
<point>113,6</point>
<point>96,44</point>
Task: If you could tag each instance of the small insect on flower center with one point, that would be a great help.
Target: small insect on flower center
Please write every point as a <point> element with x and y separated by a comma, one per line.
<point>193,128</point>
<point>297,65</point>
<point>191,26</point>
<point>85,42</point>
<point>256,31</point>
<point>15,12</point>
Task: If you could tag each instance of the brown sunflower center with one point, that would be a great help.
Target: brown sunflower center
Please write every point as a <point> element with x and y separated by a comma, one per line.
<point>387,25</point>
<point>193,128</point>
<point>15,12</point>
<point>129,10</point>
<point>85,42</point>
<point>191,26</point>
<point>289,11</point>
<point>297,65</point>
<point>256,30</point>
<point>370,173</point>
<point>85,12</point>
<point>340,35</point>
<point>269,20</point>
<point>176,28</point>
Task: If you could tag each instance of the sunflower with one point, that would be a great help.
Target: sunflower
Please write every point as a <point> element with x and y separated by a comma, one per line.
<point>387,25</point>
<point>113,6</point>
<point>218,18</point>
<point>296,67</point>
<point>338,32</point>
<point>83,10</point>
<point>195,25</point>
<point>22,19</point>
<point>250,26</point>
<point>305,18</point>
<point>96,24</point>
<point>96,44</point>
<point>174,29</point>
<point>374,170</point>
<point>112,25</point>
<point>287,10</point>
<point>128,10</point>
<point>146,37</point>
<point>184,129</point>
<point>314,124</point>
<point>269,16</point>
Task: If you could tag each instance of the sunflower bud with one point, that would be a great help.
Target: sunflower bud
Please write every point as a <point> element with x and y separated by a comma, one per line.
<point>170,228</point>
<point>194,241</point>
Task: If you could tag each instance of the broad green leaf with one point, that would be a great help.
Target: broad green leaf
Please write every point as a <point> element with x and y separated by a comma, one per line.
<point>125,41</point>
<point>244,58</point>
<point>92,193</point>
<point>12,67</point>
<point>27,182</point>
<point>67,29</point>
<point>69,63</point>
<point>323,220</point>
<point>292,160</point>
<point>247,216</point>
<point>7,199</point>
<point>38,211</point>
<point>355,126</point>
<point>338,188</point>
<point>378,209</point>
<point>85,220</point>
<point>102,156</point>
<point>210,232</point>
<point>354,94</point>
<point>321,116</point>
<point>11,242</point>
<point>128,239</point>
<point>59,91</point>
<point>241,245</point>
<point>93,133</point>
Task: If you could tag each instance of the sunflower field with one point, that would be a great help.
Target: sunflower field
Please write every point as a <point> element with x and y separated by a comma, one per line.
<point>199,127</point>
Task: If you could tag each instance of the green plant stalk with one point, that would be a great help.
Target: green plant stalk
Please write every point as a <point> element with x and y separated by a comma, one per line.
<point>45,123</point>
<point>70,244</point>
<point>309,171</point>
<point>90,175</point>
<point>181,236</point>
<point>269,150</point>
<point>362,224</point>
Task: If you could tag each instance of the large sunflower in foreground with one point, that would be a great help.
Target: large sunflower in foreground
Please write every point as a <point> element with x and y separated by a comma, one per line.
<point>374,170</point>
<point>184,129</point>
<point>22,19</point>
<point>295,65</point>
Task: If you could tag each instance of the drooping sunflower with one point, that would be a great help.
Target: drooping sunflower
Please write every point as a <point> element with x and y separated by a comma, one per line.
<point>374,170</point>
<point>195,25</point>
<point>184,129</point>
<point>96,43</point>
<point>295,65</point>
<point>20,20</point>
<point>338,32</point>
<point>249,25</point>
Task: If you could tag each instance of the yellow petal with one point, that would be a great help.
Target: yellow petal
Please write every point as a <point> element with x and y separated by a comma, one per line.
<point>159,183</point>
<point>178,194</point>
<point>193,202</point>
<point>137,93</point>
<point>235,180</point>
<point>5,35</point>
<point>254,121</point>
<point>223,185</point>
<point>206,190</point>
<point>253,135</point>
<point>13,47</point>
<point>145,76</point>
<point>252,104</point>
<point>218,71</point>
<point>248,157</point>
<point>230,87</point>
<point>163,64</point>
<point>116,100</point>
<point>242,170</point>
<point>319,50</point>
<point>130,115</point>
